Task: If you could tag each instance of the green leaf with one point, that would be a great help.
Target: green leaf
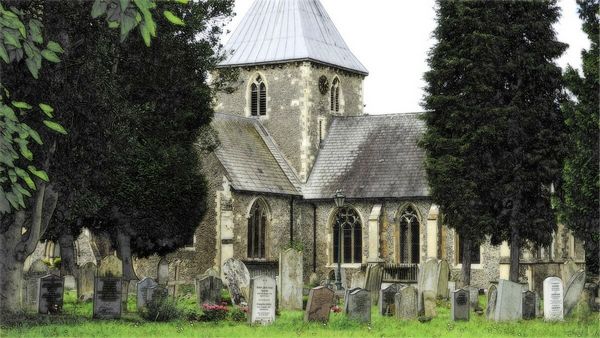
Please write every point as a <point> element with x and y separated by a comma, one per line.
<point>98,8</point>
<point>35,31</point>
<point>12,175</point>
<point>145,33</point>
<point>50,56</point>
<point>33,68</point>
<point>3,53</point>
<point>47,109</point>
<point>55,47</point>
<point>25,177</point>
<point>8,112</point>
<point>173,18</point>
<point>12,199</point>
<point>25,151</point>
<point>39,173</point>
<point>22,190</point>
<point>184,2</point>
<point>21,105</point>
<point>35,136</point>
<point>124,5</point>
<point>113,24</point>
<point>55,126</point>
<point>127,24</point>
<point>4,204</point>
<point>10,39</point>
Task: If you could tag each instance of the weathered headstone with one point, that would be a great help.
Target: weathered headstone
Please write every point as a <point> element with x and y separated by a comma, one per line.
<point>110,266</point>
<point>491,303</point>
<point>474,298</point>
<point>142,291</point>
<point>107,297</point>
<point>553,299</point>
<point>320,301</point>
<point>568,269</point>
<point>387,305</point>
<point>429,303</point>
<point>358,280</point>
<point>406,303</point>
<point>51,294</point>
<point>428,281</point>
<point>528,305</point>
<point>359,305</point>
<point>442,288</point>
<point>208,290</point>
<point>162,272</point>
<point>346,293</point>
<point>573,290</point>
<point>70,283</point>
<point>85,282</point>
<point>212,272</point>
<point>508,301</point>
<point>157,291</point>
<point>459,305</point>
<point>261,304</point>
<point>451,287</point>
<point>290,279</point>
<point>31,282</point>
<point>373,279</point>
<point>237,279</point>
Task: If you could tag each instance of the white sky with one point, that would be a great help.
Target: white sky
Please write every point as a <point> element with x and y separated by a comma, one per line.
<point>392,39</point>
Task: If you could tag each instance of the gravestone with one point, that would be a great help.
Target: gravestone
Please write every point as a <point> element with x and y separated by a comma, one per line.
<point>491,303</point>
<point>320,301</point>
<point>442,288</point>
<point>451,287</point>
<point>429,303</point>
<point>529,302</point>
<point>142,291</point>
<point>156,291</point>
<point>373,279</point>
<point>387,305</point>
<point>573,291</point>
<point>212,272</point>
<point>568,270</point>
<point>261,306</point>
<point>31,283</point>
<point>428,281</point>
<point>346,293</point>
<point>85,282</point>
<point>51,294</point>
<point>459,305</point>
<point>553,299</point>
<point>70,283</point>
<point>508,301</point>
<point>290,279</point>
<point>358,280</point>
<point>406,303</point>
<point>208,290</point>
<point>162,272</point>
<point>107,297</point>
<point>237,279</point>
<point>110,266</point>
<point>359,305</point>
<point>474,298</point>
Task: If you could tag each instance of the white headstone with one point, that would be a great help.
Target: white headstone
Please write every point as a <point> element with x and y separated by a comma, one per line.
<point>261,304</point>
<point>553,299</point>
<point>163,272</point>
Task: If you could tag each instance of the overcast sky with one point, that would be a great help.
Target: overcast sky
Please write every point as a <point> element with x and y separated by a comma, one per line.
<point>392,38</point>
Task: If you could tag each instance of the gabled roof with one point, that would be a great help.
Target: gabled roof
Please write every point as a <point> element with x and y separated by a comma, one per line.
<point>275,31</point>
<point>251,159</point>
<point>370,157</point>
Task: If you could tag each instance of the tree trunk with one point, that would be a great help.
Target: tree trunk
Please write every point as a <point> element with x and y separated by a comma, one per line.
<point>515,242</point>
<point>124,252</point>
<point>466,260</point>
<point>68,263</point>
<point>11,272</point>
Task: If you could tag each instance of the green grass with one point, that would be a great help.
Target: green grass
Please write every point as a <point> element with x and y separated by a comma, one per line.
<point>76,322</point>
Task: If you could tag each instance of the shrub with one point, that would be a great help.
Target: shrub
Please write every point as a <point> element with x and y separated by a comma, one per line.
<point>213,312</point>
<point>238,314</point>
<point>160,309</point>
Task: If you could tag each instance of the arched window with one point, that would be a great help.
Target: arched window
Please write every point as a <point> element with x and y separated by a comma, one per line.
<point>348,220</point>
<point>257,224</point>
<point>409,236</point>
<point>335,95</point>
<point>258,97</point>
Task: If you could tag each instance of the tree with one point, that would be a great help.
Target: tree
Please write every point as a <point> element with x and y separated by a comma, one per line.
<point>495,139</point>
<point>581,177</point>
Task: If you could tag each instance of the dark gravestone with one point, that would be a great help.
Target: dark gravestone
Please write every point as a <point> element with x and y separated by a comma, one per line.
<point>491,303</point>
<point>406,303</point>
<point>387,306</point>
<point>142,291</point>
<point>208,290</point>
<point>31,283</point>
<point>107,297</point>
<point>157,292</point>
<point>529,305</point>
<point>346,293</point>
<point>359,305</point>
<point>459,307</point>
<point>320,301</point>
<point>51,294</point>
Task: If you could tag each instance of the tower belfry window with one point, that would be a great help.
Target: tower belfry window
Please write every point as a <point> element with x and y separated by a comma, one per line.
<point>335,95</point>
<point>258,97</point>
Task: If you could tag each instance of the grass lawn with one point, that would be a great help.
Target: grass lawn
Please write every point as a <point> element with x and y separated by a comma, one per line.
<point>76,322</point>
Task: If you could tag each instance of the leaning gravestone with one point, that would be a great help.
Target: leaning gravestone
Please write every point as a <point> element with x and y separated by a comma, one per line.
<point>491,303</point>
<point>553,299</point>
<point>37,270</point>
<point>162,273</point>
<point>51,294</point>
<point>108,287</point>
<point>346,293</point>
<point>459,305</point>
<point>320,302</point>
<point>290,279</point>
<point>568,270</point>
<point>573,291</point>
<point>387,305</point>
<point>208,290</point>
<point>528,305</point>
<point>359,305</point>
<point>85,282</point>
<point>237,279</point>
<point>261,304</point>
<point>508,301</point>
<point>406,303</point>
<point>358,280</point>
<point>442,288</point>
<point>142,291</point>
<point>373,279</point>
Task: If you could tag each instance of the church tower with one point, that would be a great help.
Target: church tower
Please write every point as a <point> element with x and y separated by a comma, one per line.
<point>295,73</point>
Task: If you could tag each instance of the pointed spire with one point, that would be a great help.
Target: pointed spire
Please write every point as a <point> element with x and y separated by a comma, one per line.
<point>276,31</point>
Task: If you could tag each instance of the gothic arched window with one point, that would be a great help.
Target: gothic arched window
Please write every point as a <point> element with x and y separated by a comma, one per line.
<point>335,95</point>
<point>348,220</point>
<point>409,236</point>
<point>257,224</point>
<point>258,97</point>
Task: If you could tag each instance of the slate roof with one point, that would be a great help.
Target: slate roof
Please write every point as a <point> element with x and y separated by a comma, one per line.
<point>370,157</point>
<point>275,31</point>
<point>250,157</point>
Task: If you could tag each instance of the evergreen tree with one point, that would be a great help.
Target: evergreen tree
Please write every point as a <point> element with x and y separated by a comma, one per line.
<point>581,176</point>
<point>495,138</point>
